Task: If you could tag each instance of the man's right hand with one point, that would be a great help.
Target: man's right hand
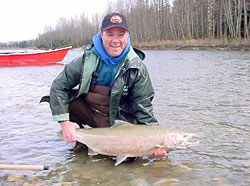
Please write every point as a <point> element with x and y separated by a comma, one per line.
<point>69,131</point>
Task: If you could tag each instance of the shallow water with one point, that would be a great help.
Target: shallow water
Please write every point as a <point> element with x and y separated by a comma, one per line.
<point>202,92</point>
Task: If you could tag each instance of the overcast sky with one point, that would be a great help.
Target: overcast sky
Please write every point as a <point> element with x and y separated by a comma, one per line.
<point>25,19</point>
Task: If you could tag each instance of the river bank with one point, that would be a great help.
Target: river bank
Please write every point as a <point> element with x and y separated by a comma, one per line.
<point>212,45</point>
<point>206,44</point>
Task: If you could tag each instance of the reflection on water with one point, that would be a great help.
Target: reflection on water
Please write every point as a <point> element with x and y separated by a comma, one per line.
<point>203,92</point>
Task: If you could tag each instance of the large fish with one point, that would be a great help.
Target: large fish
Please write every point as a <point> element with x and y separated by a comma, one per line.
<point>127,140</point>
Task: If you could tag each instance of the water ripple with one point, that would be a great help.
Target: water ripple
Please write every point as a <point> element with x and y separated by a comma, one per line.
<point>202,92</point>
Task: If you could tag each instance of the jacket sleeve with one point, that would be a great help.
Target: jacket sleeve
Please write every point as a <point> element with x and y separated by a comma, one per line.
<point>141,96</point>
<point>65,81</point>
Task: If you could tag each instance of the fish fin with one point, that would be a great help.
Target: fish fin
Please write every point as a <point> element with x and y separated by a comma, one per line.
<point>160,146</point>
<point>120,159</point>
<point>121,122</point>
<point>86,126</point>
<point>92,152</point>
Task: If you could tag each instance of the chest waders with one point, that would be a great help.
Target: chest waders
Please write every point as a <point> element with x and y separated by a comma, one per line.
<point>91,108</point>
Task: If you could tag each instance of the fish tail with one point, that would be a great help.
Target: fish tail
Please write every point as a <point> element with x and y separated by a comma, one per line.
<point>179,140</point>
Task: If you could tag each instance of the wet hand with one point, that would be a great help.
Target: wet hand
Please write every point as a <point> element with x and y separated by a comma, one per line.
<point>160,152</point>
<point>69,131</point>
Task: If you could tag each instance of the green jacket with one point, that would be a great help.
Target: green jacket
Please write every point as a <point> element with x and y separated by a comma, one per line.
<point>131,93</point>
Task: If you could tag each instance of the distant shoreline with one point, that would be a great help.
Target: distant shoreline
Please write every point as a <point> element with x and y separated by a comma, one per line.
<point>212,45</point>
<point>210,48</point>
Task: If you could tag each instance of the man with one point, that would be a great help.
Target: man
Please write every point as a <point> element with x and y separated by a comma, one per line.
<point>113,84</point>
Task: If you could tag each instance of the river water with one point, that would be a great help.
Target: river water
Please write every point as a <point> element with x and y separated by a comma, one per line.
<point>202,92</point>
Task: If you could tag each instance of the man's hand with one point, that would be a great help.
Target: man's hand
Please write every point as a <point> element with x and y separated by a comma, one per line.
<point>160,152</point>
<point>69,131</point>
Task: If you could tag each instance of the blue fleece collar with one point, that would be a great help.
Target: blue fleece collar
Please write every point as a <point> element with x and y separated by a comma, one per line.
<point>102,53</point>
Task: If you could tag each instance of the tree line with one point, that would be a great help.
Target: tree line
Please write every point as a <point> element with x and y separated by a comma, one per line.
<point>18,44</point>
<point>158,20</point>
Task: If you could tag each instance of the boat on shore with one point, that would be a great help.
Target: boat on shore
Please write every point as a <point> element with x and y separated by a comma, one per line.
<point>34,58</point>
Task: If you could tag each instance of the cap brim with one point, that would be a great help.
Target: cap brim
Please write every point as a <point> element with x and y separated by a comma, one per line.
<point>113,26</point>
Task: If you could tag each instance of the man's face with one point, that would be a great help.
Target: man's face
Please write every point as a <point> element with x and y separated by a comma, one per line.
<point>114,40</point>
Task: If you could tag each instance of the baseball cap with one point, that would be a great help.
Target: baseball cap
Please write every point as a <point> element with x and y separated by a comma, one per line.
<point>114,19</point>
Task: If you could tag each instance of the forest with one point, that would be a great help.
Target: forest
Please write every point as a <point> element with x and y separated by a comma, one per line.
<point>159,23</point>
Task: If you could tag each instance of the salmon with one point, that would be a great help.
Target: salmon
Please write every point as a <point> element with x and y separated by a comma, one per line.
<point>129,140</point>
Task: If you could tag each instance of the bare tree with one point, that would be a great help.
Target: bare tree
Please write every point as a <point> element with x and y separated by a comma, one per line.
<point>246,28</point>
<point>155,20</point>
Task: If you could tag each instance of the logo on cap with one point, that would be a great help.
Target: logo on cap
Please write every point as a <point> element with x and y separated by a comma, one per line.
<point>115,19</point>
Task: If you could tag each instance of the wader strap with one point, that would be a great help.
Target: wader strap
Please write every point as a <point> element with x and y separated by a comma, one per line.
<point>91,61</point>
<point>95,75</point>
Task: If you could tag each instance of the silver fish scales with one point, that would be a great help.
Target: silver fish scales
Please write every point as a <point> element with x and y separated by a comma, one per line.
<point>127,140</point>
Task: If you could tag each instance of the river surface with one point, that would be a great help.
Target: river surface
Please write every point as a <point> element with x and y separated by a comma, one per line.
<point>203,92</point>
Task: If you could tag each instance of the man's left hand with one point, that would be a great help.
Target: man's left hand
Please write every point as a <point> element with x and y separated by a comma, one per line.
<point>160,152</point>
